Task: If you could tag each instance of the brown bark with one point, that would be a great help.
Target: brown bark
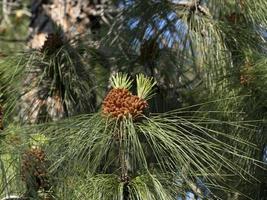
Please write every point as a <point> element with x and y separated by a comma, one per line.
<point>74,17</point>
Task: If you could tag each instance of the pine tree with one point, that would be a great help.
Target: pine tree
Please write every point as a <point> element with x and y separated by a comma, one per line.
<point>186,115</point>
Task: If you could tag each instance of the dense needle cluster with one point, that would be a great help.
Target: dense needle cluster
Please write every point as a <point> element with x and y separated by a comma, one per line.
<point>121,103</point>
<point>34,168</point>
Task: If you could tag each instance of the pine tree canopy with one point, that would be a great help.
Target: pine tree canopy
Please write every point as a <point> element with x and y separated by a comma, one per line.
<point>133,99</point>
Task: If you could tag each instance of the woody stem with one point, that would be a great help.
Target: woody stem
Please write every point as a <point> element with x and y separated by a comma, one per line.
<point>123,156</point>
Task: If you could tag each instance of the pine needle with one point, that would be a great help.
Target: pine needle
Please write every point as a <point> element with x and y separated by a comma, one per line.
<point>144,86</point>
<point>120,80</point>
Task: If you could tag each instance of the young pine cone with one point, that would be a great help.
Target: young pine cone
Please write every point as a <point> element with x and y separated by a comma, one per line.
<point>121,103</point>
<point>33,168</point>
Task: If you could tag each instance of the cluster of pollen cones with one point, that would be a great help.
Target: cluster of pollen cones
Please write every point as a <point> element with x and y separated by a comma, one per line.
<point>34,168</point>
<point>121,103</point>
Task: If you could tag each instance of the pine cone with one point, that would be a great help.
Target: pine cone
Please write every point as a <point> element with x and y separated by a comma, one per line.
<point>121,103</point>
<point>33,169</point>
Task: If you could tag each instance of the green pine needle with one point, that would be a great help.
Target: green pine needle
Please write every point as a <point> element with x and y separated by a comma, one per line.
<point>144,86</point>
<point>120,80</point>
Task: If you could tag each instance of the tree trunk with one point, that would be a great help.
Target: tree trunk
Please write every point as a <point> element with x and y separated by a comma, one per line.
<point>74,17</point>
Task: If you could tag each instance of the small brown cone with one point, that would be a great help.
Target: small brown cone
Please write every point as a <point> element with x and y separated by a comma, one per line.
<point>121,103</point>
<point>34,168</point>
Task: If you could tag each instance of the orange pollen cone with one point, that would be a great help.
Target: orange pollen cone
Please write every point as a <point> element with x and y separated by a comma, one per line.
<point>121,103</point>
